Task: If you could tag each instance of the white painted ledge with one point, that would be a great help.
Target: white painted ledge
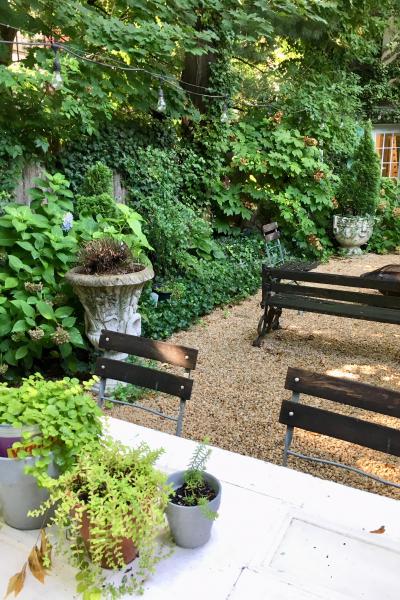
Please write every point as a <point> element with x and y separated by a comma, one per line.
<point>281,535</point>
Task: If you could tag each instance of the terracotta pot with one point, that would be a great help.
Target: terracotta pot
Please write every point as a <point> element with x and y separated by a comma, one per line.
<point>126,546</point>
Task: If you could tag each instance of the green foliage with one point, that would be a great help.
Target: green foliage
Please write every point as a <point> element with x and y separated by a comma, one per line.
<point>67,415</point>
<point>114,493</point>
<point>280,173</point>
<point>38,313</point>
<point>211,284</point>
<point>98,180</point>
<point>358,192</point>
<point>102,204</point>
<point>386,234</point>
<point>178,235</point>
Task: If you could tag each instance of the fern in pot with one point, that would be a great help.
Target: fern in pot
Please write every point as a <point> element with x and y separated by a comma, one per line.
<point>111,504</point>
<point>194,501</point>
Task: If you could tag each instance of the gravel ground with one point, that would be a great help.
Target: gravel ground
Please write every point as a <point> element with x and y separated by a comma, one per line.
<point>238,389</point>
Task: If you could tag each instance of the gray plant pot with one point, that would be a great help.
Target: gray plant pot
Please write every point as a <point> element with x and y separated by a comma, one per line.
<point>20,493</point>
<point>352,232</point>
<point>189,527</point>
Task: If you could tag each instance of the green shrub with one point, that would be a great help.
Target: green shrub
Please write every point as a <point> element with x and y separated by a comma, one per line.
<point>212,283</point>
<point>386,234</point>
<point>102,204</point>
<point>358,192</point>
<point>98,180</point>
<point>179,236</point>
<point>278,173</point>
<point>38,312</point>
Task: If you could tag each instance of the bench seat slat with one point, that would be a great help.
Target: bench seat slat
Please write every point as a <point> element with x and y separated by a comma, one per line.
<point>353,311</point>
<point>329,279</point>
<point>344,391</point>
<point>152,379</point>
<point>180,356</point>
<point>333,294</point>
<point>349,429</point>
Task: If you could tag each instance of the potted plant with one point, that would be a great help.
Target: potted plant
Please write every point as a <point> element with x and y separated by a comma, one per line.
<point>109,282</point>
<point>112,505</point>
<point>194,502</point>
<point>357,197</point>
<point>43,426</point>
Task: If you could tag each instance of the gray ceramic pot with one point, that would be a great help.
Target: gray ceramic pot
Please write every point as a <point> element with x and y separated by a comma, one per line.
<point>189,527</point>
<point>20,493</point>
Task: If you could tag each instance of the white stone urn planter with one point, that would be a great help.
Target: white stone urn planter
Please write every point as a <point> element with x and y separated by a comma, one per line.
<point>110,302</point>
<point>352,232</point>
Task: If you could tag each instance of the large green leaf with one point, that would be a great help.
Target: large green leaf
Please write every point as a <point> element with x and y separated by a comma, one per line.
<point>45,310</point>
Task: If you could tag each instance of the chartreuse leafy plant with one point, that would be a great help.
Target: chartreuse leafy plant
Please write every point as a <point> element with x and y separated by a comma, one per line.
<point>67,415</point>
<point>117,494</point>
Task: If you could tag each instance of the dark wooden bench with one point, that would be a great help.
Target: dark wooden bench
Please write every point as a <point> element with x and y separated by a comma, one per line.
<point>342,427</point>
<point>143,376</point>
<point>321,298</point>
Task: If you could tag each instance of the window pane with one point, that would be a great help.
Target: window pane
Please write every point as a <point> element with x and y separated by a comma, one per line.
<point>385,170</point>
<point>379,140</point>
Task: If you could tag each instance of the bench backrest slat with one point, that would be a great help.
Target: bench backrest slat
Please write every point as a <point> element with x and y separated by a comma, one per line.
<point>180,356</point>
<point>351,393</point>
<point>349,429</point>
<point>270,237</point>
<point>160,381</point>
<point>334,294</point>
<point>269,227</point>
<point>329,279</point>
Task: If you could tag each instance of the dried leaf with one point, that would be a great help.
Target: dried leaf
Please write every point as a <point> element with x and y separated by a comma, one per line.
<point>35,565</point>
<point>44,552</point>
<point>380,530</point>
<point>16,582</point>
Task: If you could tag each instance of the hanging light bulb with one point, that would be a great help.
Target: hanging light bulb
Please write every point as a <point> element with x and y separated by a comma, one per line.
<point>57,80</point>
<point>225,114</point>
<point>161,104</point>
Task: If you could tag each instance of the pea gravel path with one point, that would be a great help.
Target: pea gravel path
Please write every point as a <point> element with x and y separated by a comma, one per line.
<point>238,389</point>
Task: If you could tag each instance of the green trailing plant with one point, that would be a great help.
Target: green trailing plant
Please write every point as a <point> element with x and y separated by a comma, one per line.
<point>67,415</point>
<point>386,234</point>
<point>112,496</point>
<point>195,491</point>
<point>358,192</point>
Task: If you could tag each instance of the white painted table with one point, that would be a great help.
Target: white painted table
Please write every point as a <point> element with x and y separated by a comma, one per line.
<point>281,535</point>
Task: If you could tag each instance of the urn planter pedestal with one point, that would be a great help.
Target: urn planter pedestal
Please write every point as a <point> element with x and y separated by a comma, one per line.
<point>352,232</point>
<point>110,302</point>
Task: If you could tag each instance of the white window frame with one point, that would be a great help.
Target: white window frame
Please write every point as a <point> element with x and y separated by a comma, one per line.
<point>389,128</point>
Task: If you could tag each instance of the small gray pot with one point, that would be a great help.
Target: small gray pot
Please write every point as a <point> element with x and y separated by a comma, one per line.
<point>189,527</point>
<point>20,493</point>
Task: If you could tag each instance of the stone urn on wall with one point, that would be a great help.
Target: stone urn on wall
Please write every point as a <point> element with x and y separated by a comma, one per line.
<point>352,232</point>
<point>110,302</point>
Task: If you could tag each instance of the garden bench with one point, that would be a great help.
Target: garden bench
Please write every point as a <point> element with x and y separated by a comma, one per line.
<point>323,299</point>
<point>342,427</point>
<point>153,379</point>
